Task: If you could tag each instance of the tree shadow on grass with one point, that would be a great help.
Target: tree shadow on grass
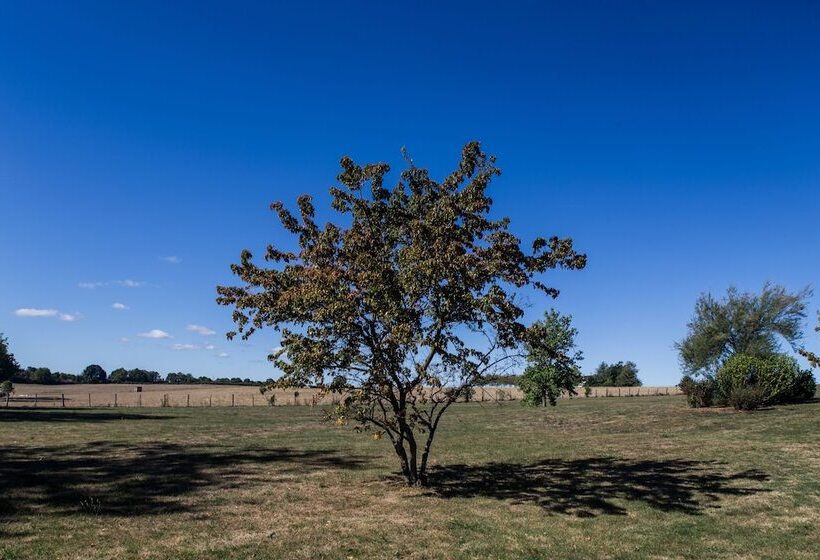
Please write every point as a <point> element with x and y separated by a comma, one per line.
<point>71,415</point>
<point>599,486</point>
<point>130,480</point>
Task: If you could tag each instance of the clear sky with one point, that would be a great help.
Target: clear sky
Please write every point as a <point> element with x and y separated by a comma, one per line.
<point>678,143</point>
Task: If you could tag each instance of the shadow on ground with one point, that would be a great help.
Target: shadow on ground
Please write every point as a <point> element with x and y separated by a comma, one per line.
<point>119,479</point>
<point>599,486</point>
<point>69,415</point>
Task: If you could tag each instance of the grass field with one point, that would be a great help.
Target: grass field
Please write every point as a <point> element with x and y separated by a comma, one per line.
<point>592,478</point>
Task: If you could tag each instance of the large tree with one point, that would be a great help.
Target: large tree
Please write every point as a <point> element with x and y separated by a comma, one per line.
<point>404,305</point>
<point>741,323</point>
<point>93,374</point>
<point>8,365</point>
<point>552,360</point>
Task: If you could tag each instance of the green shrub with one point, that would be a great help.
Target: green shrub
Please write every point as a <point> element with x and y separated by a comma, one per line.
<point>746,397</point>
<point>805,386</point>
<point>778,376</point>
<point>699,393</point>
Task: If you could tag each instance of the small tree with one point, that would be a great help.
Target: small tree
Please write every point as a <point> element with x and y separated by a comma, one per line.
<point>93,374</point>
<point>8,365</point>
<point>6,388</point>
<point>553,361</point>
<point>391,307</point>
<point>622,374</point>
<point>741,323</point>
<point>813,358</point>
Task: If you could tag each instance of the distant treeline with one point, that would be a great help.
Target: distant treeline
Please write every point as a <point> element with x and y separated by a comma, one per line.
<point>621,374</point>
<point>96,374</point>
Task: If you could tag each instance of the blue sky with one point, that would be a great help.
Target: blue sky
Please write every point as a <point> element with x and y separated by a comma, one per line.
<point>678,143</point>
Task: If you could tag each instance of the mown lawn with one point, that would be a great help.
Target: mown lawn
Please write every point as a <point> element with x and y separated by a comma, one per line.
<point>593,478</point>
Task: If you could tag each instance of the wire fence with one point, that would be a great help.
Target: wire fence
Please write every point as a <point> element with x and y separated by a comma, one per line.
<point>198,396</point>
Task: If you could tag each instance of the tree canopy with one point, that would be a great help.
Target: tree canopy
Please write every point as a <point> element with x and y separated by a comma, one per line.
<point>93,374</point>
<point>741,322</point>
<point>8,365</point>
<point>403,307</point>
<point>813,358</point>
<point>552,360</point>
<point>622,374</point>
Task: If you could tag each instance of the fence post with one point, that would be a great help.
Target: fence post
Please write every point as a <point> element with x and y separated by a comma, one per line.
<point>139,399</point>
<point>89,400</point>
<point>667,391</point>
<point>639,391</point>
<point>8,396</point>
<point>252,403</point>
<point>606,392</point>
<point>35,400</point>
<point>619,391</point>
<point>232,401</point>
<point>115,400</point>
<point>62,396</point>
<point>188,400</point>
<point>210,400</point>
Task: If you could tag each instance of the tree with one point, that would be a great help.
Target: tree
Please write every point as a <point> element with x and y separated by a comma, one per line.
<point>553,360</point>
<point>622,374</point>
<point>8,365</point>
<point>6,388</point>
<point>813,358</point>
<point>742,323</point>
<point>93,374</point>
<point>407,305</point>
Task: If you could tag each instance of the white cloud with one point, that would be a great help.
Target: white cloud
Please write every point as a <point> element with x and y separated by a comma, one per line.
<point>68,317</point>
<point>90,285</point>
<point>129,283</point>
<point>172,259</point>
<point>185,347</point>
<point>222,355</point>
<point>155,333</point>
<point>199,329</point>
<point>210,347</point>
<point>32,312</point>
<point>119,306</point>
<point>124,339</point>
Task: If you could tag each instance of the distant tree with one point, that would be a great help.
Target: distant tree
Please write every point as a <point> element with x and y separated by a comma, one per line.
<point>6,388</point>
<point>119,375</point>
<point>741,323</point>
<point>622,374</point>
<point>93,374</point>
<point>39,375</point>
<point>395,299</point>
<point>552,361</point>
<point>8,365</point>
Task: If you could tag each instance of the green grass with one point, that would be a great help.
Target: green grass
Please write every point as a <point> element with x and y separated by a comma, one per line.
<point>593,478</point>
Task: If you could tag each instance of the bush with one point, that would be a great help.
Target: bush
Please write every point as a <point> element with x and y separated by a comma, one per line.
<point>746,397</point>
<point>699,393</point>
<point>805,386</point>
<point>777,376</point>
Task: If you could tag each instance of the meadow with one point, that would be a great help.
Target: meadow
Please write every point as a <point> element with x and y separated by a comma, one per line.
<point>591,478</point>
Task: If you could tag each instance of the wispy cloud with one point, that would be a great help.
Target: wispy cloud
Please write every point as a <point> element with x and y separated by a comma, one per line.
<point>210,347</point>
<point>199,329</point>
<point>124,339</point>
<point>185,347</point>
<point>128,283</point>
<point>119,306</point>
<point>68,316</point>
<point>222,355</point>
<point>171,259</point>
<point>34,312</point>
<point>155,333</point>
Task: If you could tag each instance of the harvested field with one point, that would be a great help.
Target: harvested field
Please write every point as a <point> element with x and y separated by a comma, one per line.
<point>172,395</point>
